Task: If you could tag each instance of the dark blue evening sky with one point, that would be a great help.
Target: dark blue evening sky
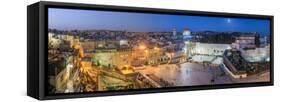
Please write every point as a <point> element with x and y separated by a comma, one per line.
<point>69,19</point>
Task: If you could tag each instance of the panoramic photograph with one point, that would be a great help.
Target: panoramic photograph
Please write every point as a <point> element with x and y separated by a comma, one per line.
<point>97,51</point>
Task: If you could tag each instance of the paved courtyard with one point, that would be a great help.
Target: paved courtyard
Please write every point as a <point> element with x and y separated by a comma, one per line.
<point>189,74</point>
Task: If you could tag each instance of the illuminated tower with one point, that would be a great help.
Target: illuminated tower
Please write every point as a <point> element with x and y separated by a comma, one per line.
<point>174,32</point>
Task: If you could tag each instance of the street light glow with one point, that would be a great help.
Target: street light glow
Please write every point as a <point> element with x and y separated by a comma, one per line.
<point>156,48</point>
<point>142,47</point>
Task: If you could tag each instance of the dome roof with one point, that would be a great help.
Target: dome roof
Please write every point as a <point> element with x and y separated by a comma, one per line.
<point>186,32</point>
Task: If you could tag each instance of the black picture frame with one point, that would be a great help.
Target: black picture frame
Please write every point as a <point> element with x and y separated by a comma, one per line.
<point>37,22</point>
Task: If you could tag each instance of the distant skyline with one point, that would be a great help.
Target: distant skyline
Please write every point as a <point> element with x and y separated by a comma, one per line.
<point>70,19</point>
